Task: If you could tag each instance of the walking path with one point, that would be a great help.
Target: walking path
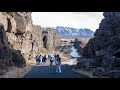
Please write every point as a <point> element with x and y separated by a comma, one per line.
<point>47,71</point>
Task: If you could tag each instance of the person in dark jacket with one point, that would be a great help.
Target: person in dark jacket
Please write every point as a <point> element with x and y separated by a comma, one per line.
<point>44,59</point>
<point>58,64</point>
<point>37,59</point>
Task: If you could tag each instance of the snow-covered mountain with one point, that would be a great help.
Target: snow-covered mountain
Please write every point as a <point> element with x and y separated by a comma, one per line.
<point>68,32</point>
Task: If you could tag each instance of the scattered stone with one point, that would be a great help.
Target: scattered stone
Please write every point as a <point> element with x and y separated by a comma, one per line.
<point>87,63</point>
<point>110,61</point>
<point>113,74</point>
<point>100,71</point>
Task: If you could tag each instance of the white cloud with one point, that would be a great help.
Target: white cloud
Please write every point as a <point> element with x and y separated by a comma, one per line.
<point>89,20</point>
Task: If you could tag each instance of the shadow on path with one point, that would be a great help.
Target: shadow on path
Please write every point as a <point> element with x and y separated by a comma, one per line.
<point>49,72</point>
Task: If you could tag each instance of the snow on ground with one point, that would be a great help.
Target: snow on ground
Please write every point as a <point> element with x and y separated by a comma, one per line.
<point>71,62</point>
<point>74,52</point>
<point>72,49</point>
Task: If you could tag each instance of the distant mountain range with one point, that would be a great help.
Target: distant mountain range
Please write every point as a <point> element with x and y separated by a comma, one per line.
<point>68,32</point>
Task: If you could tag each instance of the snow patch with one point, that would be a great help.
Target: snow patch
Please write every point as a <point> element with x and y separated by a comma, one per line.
<point>71,62</point>
<point>74,52</point>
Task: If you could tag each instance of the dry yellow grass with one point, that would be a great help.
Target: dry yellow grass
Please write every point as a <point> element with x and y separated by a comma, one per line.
<point>65,57</point>
<point>31,62</point>
<point>43,50</point>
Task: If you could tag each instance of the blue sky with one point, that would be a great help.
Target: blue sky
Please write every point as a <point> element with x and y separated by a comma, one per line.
<point>78,20</point>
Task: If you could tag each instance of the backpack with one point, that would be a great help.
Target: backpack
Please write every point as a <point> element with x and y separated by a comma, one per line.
<point>58,60</point>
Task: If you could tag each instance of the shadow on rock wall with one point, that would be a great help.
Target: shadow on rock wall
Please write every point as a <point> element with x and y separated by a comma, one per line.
<point>9,56</point>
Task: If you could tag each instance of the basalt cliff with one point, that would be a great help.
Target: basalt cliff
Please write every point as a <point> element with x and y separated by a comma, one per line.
<point>21,41</point>
<point>102,52</point>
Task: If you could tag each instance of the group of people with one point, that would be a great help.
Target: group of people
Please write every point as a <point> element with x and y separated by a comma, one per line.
<point>40,58</point>
<point>53,58</point>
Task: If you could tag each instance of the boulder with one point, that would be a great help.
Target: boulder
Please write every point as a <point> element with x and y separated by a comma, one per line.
<point>77,43</point>
<point>20,23</point>
<point>13,25</point>
<point>110,61</point>
<point>100,52</point>
<point>3,37</point>
<point>3,68</point>
<point>6,56</point>
<point>100,71</point>
<point>103,71</point>
<point>87,63</point>
<point>113,73</point>
<point>3,20</point>
<point>18,59</point>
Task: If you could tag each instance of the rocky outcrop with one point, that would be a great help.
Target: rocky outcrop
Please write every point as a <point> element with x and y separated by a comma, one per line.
<point>44,38</point>
<point>36,40</point>
<point>87,64</point>
<point>48,38</point>
<point>15,41</point>
<point>78,45</point>
<point>104,47</point>
<point>20,40</point>
<point>20,35</point>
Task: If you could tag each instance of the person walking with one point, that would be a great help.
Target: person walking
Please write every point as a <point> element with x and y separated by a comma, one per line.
<point>58,64</point>
<point>49,56</point>
<point>51,59</point>
<point>55,55</point>
<point>37,59</point>
<point>44,59</point>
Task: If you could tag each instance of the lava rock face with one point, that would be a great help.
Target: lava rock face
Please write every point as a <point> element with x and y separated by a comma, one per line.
<point>104,48</point>
<point>20,40</point>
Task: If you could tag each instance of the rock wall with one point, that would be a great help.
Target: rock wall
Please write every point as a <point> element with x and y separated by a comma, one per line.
<point>16,30</point>
<point>104,48</point>
<point>20,40</point>
<point>78,45</point>
<point>36,40</point>
<point>52,38</point>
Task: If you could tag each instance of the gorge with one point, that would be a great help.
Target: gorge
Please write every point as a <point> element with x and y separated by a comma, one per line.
<point>21,41</point>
